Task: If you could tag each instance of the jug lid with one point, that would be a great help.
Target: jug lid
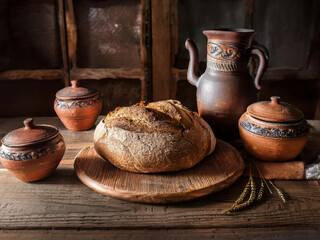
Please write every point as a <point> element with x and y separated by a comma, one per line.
<point>75,92</point>
<point>275,111</point>
<point>30,134</point>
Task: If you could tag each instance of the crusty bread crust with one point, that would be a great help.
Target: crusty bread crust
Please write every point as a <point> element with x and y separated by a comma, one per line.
<point>156,137</point>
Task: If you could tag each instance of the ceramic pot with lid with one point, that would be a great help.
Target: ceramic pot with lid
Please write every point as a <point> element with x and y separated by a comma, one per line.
<point>273,130</point>
<point>77,107</point>
<point>33,152</point>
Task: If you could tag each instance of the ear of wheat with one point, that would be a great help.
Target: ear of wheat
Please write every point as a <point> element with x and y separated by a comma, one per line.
<point>250,187</point>
<point>280,193</point>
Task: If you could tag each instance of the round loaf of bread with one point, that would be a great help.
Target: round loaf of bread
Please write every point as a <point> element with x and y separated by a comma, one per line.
<point>156,137</point>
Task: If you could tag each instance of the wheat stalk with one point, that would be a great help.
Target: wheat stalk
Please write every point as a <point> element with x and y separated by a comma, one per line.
<point>262,177</point>
<point>251,187</point>
<point>247,203</point>
<point>260,194</point>
<point>280,193</point>
<point>244,193</point>
<point>239,204</point>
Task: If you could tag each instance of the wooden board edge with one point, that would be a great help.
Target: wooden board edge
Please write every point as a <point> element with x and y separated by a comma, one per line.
<point>158,198</point>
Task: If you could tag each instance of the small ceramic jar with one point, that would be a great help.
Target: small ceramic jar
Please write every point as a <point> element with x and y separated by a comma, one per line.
<point>78,108</point>
<point>33,152</point>
<point>273,130</point>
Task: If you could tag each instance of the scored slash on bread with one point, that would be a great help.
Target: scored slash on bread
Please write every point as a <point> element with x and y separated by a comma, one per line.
<point>156,137</point>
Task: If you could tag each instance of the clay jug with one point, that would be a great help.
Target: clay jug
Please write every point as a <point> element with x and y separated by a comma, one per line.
<point>227,87</point>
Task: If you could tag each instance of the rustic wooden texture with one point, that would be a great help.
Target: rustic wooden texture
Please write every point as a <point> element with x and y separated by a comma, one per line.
<point>71,33</point>
<point>161,50</point>
<point>277,233</point>
<point>29,35</point>
<point>48,74</point>
<point>108,33</point>
<point>63,42</point>
<point>106,41</point>
<point>103,73</point>
<point>214,173</point>
<point>145,50</point>
<point>63,203</point>
<point>248,14</point>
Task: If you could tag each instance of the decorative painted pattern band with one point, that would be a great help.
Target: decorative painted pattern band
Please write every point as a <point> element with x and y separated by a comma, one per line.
<point>225,57</point>
<point>222,67</point>
<point>52,147</point>
<point>275,132</point>
<point>65,104</point>
<point>224,51</point>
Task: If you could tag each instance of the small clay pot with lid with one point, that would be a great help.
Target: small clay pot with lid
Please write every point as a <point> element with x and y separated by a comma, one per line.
<point>33,152</point>
<point>77,107</point>
<point>273,130</point>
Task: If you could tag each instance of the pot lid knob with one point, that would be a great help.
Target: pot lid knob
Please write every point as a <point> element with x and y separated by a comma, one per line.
<point>275,100</point>
<point>28,123</point>
<point>75,83</point>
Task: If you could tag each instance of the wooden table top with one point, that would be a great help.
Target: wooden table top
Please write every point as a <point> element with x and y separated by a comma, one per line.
<point>61,207</point>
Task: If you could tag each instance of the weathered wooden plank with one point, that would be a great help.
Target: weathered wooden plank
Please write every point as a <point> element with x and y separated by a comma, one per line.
<point>185,234</point>
<point>61,201</point>
<point>145,50</point>
<point>102,73</point>
<point>161,49</point>
<point>174,27</point>
<point>71,27</point>
<point>63,42</point>
<point>248,14</point>
<point>43,74</point>
<point>29,35</point>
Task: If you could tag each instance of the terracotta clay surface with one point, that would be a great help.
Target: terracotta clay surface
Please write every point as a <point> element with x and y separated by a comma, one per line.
<point>225,89</point>
<point>77,107</point>
<point>266,140</point>
<point>214,173</point>
<point>275,111</point>
<point>33,152</point>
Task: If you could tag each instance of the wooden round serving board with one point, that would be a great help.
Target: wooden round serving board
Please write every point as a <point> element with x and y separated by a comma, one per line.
<point>214,173</point>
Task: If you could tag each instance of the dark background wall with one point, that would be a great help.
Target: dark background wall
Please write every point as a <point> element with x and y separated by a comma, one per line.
<point>110,44</point>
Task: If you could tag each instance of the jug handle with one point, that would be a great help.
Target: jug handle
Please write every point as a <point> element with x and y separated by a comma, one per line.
<point>263,58</point>
<point>193,67</point>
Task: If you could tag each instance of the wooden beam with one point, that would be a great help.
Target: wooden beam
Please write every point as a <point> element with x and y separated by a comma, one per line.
<point>179,74</point>
<point>263,233</point>
<point>161,49</point>
<point>248,15</point>
<point>63,41</point>
<point>45,74</point>
<point>174,26</point>
<point>317,112</point>
<point>100,73</point>
<point>145,53</point>
<point>71,33</point>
